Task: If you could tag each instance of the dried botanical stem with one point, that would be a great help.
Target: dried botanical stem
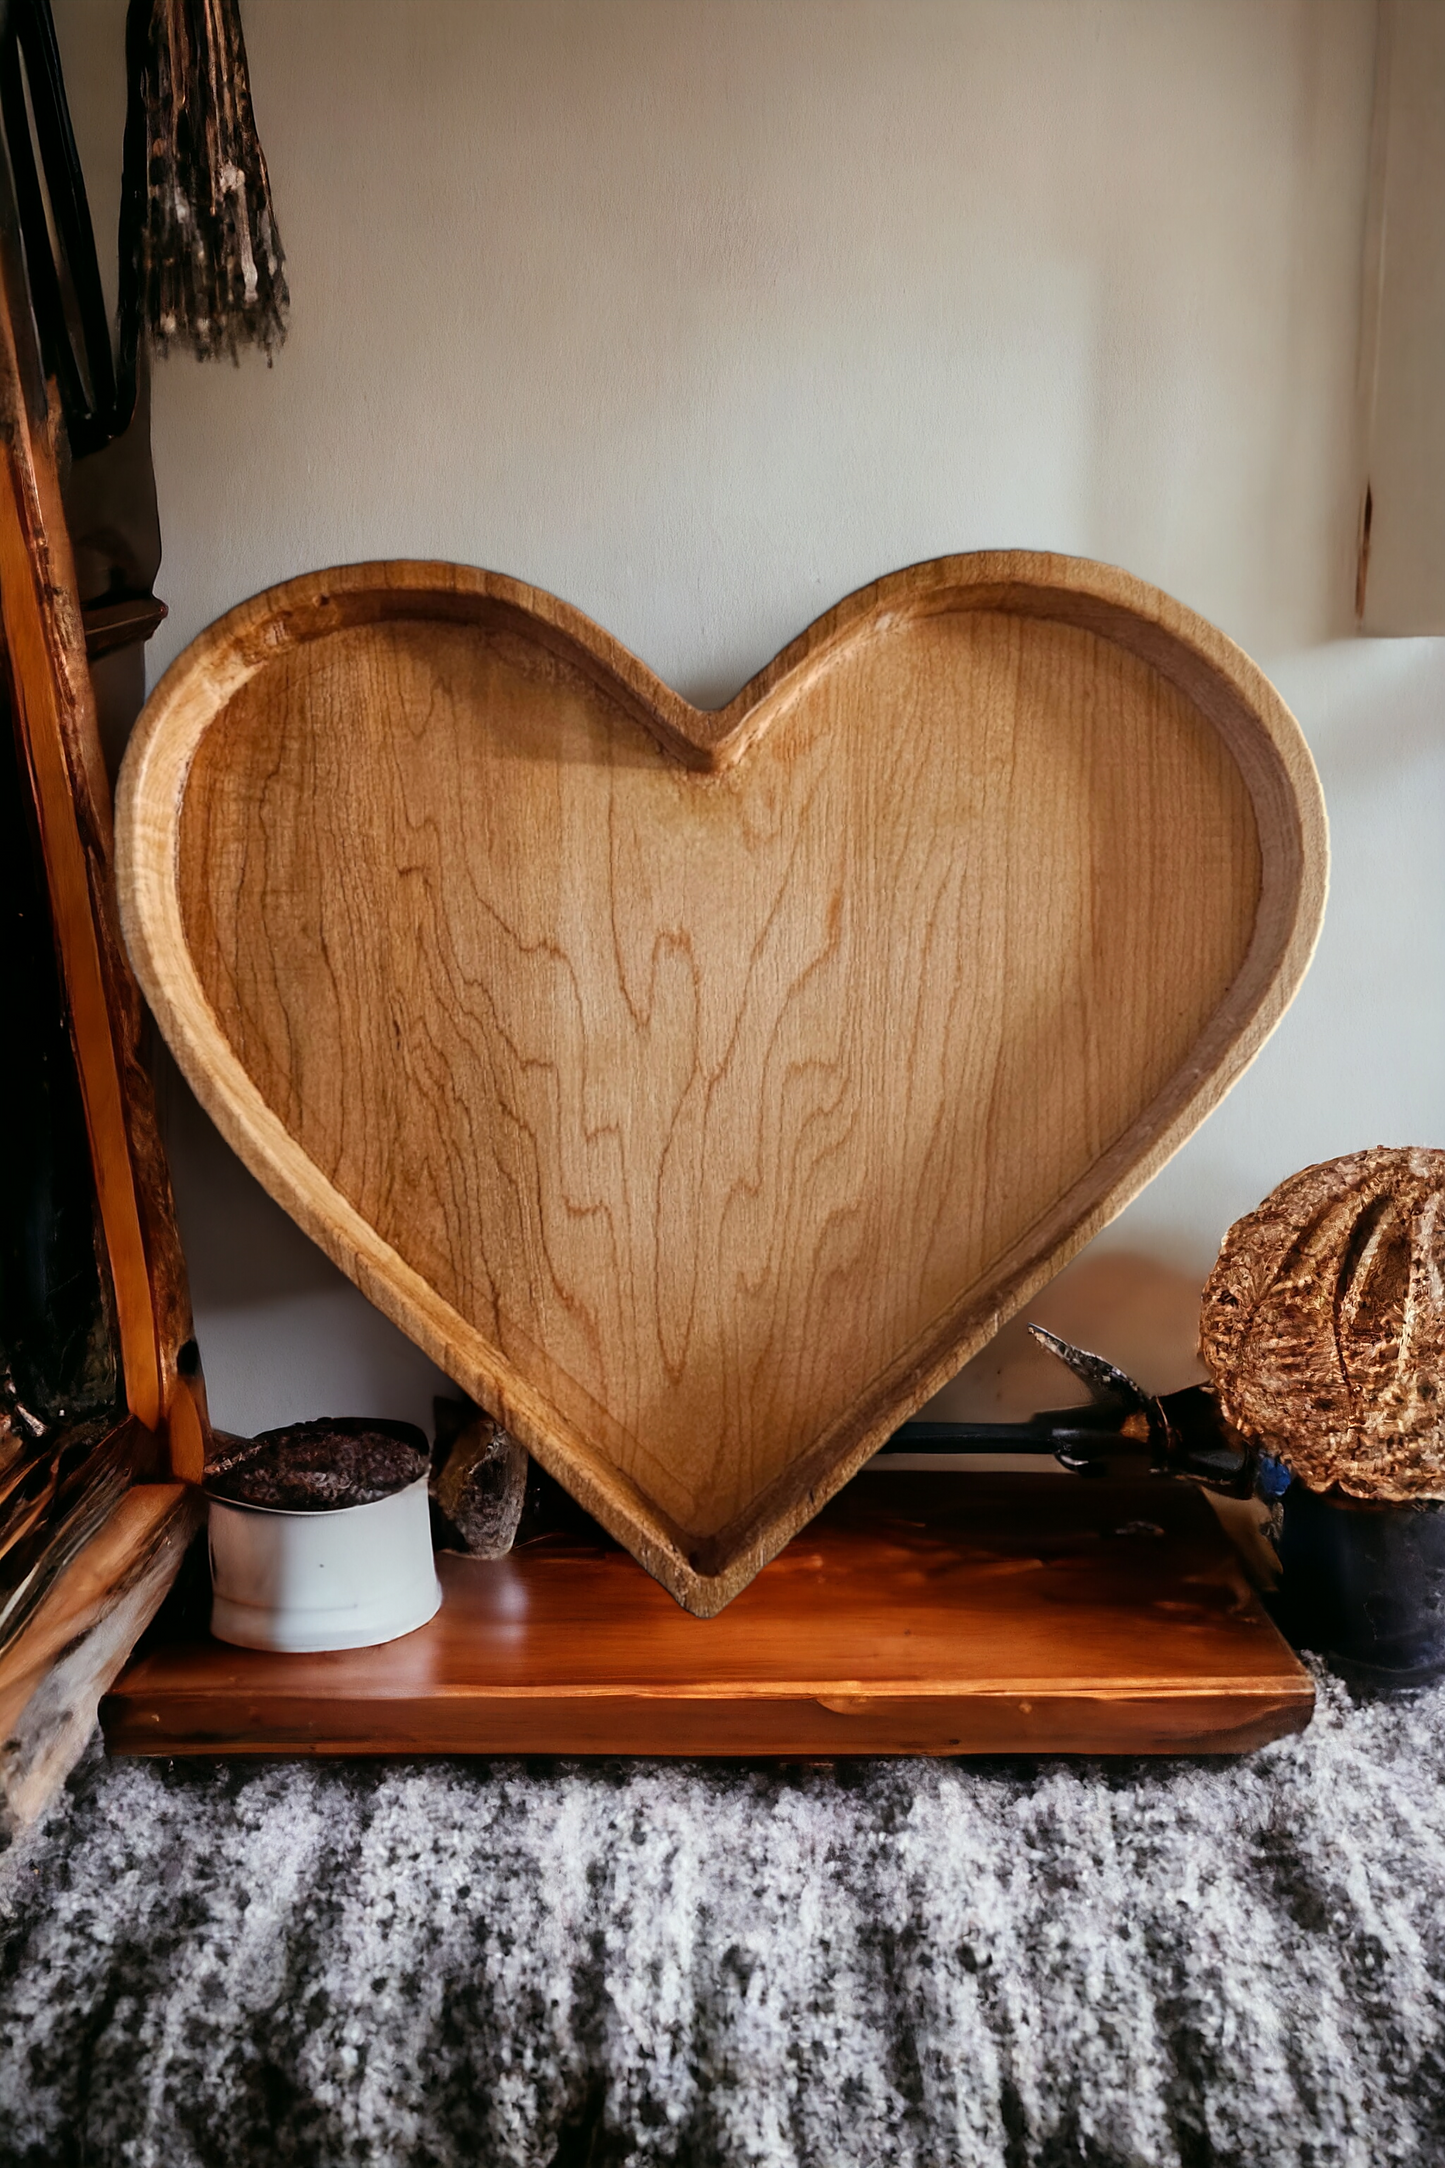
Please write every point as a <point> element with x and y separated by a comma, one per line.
<point>210,265</point>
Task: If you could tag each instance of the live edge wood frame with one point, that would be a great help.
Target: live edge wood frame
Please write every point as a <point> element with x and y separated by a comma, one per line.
<point>52,1674</point>
<point>702,1090</point>
<point>54,707</point>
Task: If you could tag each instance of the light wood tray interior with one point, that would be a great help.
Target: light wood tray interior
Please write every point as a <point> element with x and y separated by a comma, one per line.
<point>700,1090</point>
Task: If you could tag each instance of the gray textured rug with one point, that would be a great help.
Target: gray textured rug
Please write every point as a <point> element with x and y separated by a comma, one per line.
<point>889,1962</point>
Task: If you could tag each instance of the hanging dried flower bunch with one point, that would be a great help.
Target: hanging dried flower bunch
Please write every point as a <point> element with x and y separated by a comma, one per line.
<point>1323,1327</point>
<point>206,260</point>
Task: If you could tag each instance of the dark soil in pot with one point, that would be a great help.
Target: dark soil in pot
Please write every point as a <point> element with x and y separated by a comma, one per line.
<point>319,1467</point>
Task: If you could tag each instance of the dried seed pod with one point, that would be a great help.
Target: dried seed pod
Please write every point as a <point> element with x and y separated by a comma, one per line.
<point>482,1485</point>
<point>1323,1327</point>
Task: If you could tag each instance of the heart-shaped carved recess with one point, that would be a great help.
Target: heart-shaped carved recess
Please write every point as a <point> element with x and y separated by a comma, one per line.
<point>701,1090</point>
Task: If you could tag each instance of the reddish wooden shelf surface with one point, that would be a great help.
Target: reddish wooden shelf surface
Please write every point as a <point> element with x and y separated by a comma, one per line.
<point>920,1613</point>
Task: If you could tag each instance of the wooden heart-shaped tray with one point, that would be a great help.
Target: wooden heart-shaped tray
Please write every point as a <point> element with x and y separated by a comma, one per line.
<point>701,1090</point>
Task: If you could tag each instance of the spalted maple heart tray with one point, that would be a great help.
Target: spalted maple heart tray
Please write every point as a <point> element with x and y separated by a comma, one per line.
<point>701,1090</point>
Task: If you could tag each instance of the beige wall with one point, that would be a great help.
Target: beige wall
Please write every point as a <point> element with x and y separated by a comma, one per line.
<point>702,312</point>
<point>1403,324</point>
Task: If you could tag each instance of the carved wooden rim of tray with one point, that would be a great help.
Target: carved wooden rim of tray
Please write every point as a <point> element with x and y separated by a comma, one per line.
<point>702,1090</point>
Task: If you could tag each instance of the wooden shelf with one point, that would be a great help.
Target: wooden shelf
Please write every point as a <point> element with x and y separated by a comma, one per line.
<point>126,622</point>
<point>919,1614</point>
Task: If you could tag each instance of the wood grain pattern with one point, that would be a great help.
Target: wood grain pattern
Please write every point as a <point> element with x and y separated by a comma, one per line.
<point>53,1675</point>
<point>54,705</point>
<point>918,1614</point>
<point>702,1090</point>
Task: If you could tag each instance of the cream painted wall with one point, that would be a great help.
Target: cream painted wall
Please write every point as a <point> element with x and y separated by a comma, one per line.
<point>1403,324</point>
<point>702,312</point>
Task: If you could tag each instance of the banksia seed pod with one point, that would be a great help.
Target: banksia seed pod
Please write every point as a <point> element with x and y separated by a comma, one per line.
<point>1323,1328</point>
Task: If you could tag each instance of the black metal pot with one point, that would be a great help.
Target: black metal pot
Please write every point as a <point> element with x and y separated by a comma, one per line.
<point>1364,1584</point>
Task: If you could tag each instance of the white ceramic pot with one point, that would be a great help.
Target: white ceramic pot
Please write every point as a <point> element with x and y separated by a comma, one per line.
<point>302,1582</point>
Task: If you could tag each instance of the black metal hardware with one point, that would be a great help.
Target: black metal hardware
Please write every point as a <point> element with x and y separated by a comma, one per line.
<point>1184,1433</point>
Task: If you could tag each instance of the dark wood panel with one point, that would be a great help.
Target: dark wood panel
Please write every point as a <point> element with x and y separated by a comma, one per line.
<point>57,1307</point>
<point>947,1614</point>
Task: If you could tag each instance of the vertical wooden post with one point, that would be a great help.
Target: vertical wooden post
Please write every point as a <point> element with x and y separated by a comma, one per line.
<point>55,712</point>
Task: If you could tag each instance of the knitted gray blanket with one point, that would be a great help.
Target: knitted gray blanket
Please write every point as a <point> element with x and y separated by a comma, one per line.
<point>927,1965</point>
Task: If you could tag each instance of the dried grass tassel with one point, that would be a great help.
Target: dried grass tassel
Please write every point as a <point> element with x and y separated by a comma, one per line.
<point>200,254</point>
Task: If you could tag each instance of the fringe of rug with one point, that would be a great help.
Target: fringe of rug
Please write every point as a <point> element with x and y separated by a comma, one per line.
<point>205,262</point>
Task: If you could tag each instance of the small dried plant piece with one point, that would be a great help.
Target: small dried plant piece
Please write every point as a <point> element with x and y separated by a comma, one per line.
<point>1323,1328</point>
<point>482,1485</point>
<point>201,252</point>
